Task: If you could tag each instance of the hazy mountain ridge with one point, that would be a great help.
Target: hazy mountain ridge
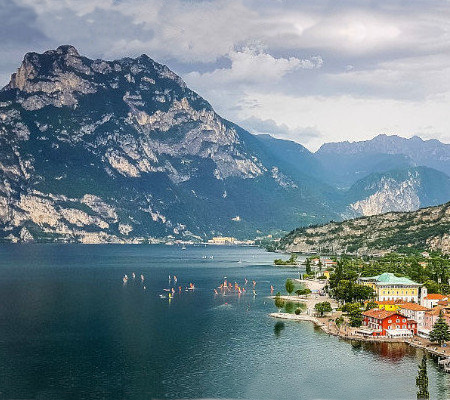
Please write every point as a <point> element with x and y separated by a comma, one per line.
<point>427,228</point>
<point>396,152</point>
<point>377,182</point>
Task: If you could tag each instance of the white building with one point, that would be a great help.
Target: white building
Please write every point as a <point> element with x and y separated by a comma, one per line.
<point>414,311</point>
<point>431,300</point>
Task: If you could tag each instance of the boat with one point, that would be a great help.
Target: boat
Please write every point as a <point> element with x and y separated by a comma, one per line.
<point>183,248</point>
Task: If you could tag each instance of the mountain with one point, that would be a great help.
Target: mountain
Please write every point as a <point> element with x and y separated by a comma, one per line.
<point>348,162</point>
<point>122,151</point>
<point>427,228</point>
<point>399,190</point>
<point>395,186</point>
<point>297,157</point>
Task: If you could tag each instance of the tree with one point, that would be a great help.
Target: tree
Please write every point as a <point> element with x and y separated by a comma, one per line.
<point>289,286</point>
<point>299,292</point>
<point>432,286</point>
<point>370,305</point>
<point>279,302</point>
<point>323,307</point>
<point>308,266</point>
<point>422,380</point>
<point>362,292</point>
<point>291,261</point>
<point>320,265</point>
<point>289,307</point>
<point>440,332</point>
<point>354,313</point>
<point>339,321</point>
<point>298,311</point>
<point>356,319</point>
<point>349,291</point>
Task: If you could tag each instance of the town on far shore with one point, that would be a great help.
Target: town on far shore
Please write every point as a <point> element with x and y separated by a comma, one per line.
<point>392,298</point>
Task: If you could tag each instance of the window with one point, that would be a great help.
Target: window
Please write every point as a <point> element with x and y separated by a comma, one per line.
<point>390,321</point>
<point>397,320</point>
<point>404,320</point>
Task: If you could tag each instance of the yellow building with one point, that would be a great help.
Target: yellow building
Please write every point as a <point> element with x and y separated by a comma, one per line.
<point>389,305</point>
<point>326,274</point>
<point>387,286</point>
<point>222,240</point>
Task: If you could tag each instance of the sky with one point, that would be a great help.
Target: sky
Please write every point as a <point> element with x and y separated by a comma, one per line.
<point>311,71</point>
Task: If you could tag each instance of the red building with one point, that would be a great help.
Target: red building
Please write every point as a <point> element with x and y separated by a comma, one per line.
<point>388,323</point>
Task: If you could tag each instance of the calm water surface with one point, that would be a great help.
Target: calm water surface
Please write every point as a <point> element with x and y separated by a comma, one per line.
<point>69,329</point>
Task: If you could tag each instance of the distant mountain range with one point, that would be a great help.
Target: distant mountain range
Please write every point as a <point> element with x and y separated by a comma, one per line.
<point>424,229</point>
<point>122,151</point>
<point>367,181</point>
<point>349,161</point>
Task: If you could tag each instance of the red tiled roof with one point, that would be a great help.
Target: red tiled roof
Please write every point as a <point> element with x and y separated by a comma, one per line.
<point>379,313</point>
<point>414,307</point>
<point>435,296</point>
<point>435,311</point>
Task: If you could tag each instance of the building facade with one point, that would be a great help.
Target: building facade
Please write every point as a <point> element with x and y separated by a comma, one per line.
<point>387,286</point>
<point>389,305</point>
<point>431,300</point>
<point>388,323</point>
<point>415,312</point>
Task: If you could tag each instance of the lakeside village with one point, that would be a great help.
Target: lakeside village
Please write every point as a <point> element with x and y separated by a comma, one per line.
<point>394,298</point>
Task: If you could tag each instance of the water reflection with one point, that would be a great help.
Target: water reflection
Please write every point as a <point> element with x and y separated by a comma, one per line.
<point>278,328</point>
<point>386,350</point>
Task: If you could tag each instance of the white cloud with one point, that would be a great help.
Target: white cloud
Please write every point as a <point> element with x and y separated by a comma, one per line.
<point>252,65</point>
<point>386,63</point>
<point>340,118</point>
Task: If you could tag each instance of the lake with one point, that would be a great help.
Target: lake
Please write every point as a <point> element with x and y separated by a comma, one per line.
<point>70,329</point>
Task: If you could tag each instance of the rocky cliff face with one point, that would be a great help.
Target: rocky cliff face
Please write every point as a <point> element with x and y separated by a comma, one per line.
<point>123,151</point>
<point>427,228</point>
<point>399,190</point>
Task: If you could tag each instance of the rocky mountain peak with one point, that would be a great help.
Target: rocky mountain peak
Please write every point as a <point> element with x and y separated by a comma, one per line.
<point>40,66</point>
<point>67,50</point>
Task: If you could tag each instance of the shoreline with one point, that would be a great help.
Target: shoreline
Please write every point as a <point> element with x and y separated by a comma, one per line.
<point>416,342</point>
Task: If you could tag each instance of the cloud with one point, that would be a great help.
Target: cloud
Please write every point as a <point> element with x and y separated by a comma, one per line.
<point>281,131</point>
<point>260,58</point>
<point>339,118</point>
<point>252,65</point>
